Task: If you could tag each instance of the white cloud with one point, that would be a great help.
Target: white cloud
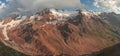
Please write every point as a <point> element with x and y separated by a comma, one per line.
<point>2,6</point>
<point>32,5</point>
<point>40,4</point>
<point>110,5</point>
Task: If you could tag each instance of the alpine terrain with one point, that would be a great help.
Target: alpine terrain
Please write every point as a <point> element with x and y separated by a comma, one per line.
<point>57,32</point>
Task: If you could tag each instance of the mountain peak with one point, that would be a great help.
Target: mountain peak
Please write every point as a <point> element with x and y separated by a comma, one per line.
<point>54,32</point>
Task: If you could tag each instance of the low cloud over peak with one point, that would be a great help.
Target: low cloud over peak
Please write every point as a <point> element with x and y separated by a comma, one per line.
<point>22,6</point>
<point>109,5</point>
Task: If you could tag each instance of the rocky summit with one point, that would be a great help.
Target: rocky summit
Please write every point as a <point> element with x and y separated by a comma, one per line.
<point>56,32</point>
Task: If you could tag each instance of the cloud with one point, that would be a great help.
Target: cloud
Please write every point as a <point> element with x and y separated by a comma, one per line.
<point>2,5</point>
<point>110,5</point>
<point>23,6</point>
<point>9,0</point>
<point>0,2</point>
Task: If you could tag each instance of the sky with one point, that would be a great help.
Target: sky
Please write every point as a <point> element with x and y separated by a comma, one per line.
<point>22,6</point>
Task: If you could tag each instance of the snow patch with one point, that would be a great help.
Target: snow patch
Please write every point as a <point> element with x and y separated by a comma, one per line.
<point>60,14</point>
<point>5,33</point>
<point>87,13</point>
<point>7,26</point>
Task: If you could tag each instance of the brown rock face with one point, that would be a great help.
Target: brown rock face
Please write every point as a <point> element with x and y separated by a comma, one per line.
<point>74,37</point>
<point>8,20</point>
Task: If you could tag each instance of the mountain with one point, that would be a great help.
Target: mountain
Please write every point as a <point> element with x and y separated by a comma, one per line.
<point>110,51</point>
<point>55,32</point>
<point>7,51</point>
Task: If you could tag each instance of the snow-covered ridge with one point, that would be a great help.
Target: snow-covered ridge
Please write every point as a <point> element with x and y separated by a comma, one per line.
<point>7,26</point>
<point>64,15</point>
<point>61,13</point>
<point>88,13</point>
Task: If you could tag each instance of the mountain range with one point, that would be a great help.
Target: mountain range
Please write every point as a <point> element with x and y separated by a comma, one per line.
<point>56,32</point>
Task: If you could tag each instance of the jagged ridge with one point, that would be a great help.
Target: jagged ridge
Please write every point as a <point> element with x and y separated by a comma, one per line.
<point>58,32</point>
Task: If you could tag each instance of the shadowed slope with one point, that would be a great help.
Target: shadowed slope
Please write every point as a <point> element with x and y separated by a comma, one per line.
<point>57,34</point>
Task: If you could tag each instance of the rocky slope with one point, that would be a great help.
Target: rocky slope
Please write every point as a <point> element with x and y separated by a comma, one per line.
<point>7,51</point>
<point>54,32</point>
<point>110,51</point>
